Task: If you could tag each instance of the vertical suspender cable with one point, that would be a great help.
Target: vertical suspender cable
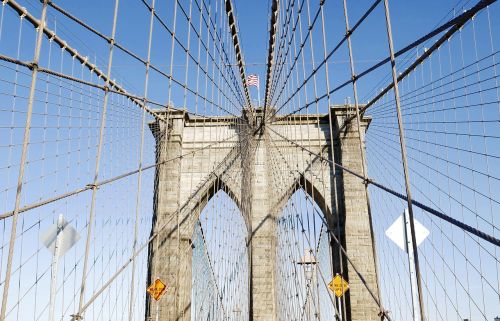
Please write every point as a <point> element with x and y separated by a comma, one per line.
<point>404,159</point>
<point>361,146</point>
<point>139,177</point>
<point>332,151</point>
<point>78,316</point>
<point>22,164</point>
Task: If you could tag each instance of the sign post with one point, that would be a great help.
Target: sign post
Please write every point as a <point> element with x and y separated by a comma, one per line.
<point>339,286</point>
<point>399,232</point>
<point>54,266</point>
<point>58,239</point>
<point>411,261</point>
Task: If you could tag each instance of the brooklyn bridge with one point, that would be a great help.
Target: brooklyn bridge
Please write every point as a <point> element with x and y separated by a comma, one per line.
<point>229,160</point>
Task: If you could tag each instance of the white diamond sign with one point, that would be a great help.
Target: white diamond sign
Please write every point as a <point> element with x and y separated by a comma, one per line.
<point>68,236</point>
<point>396,232</point>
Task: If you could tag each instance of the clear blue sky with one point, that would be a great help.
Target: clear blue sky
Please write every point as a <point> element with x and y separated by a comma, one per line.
<point>411,19</point>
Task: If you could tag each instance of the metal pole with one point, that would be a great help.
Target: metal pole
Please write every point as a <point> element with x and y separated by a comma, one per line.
<point>54,266</point>
<point>404,160</point>
<point>258,93</point>
<point>340,305</point>
<point>78,316</point>
<point>22,163</point>
<point>315,279</point>
<point>411,261</point>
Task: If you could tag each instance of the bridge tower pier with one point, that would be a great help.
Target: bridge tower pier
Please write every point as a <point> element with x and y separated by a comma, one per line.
<point>186,180</point>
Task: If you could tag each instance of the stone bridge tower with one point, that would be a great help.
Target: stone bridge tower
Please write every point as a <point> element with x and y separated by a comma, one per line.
<point>186,180</point>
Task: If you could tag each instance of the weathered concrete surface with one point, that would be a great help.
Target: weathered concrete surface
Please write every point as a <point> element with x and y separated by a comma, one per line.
<point>260,171</point>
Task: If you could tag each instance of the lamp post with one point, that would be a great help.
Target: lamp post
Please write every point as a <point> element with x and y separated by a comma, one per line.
<point>237,313</point>
<point>309,262</point>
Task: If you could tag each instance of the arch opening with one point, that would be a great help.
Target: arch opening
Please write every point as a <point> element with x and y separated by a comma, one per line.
<point>220,265</point>
<point>303,258</point>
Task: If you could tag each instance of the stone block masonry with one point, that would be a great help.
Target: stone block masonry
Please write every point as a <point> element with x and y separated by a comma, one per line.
<point>243,163</point>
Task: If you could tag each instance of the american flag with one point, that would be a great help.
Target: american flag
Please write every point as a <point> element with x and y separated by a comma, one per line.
<point>253,80</point>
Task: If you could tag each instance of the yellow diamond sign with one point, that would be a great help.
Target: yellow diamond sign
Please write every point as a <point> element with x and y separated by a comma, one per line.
<point>157,289</point>
<point>339,286</point>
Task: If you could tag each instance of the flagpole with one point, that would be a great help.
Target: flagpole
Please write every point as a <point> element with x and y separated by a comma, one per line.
<point>258,94</point>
